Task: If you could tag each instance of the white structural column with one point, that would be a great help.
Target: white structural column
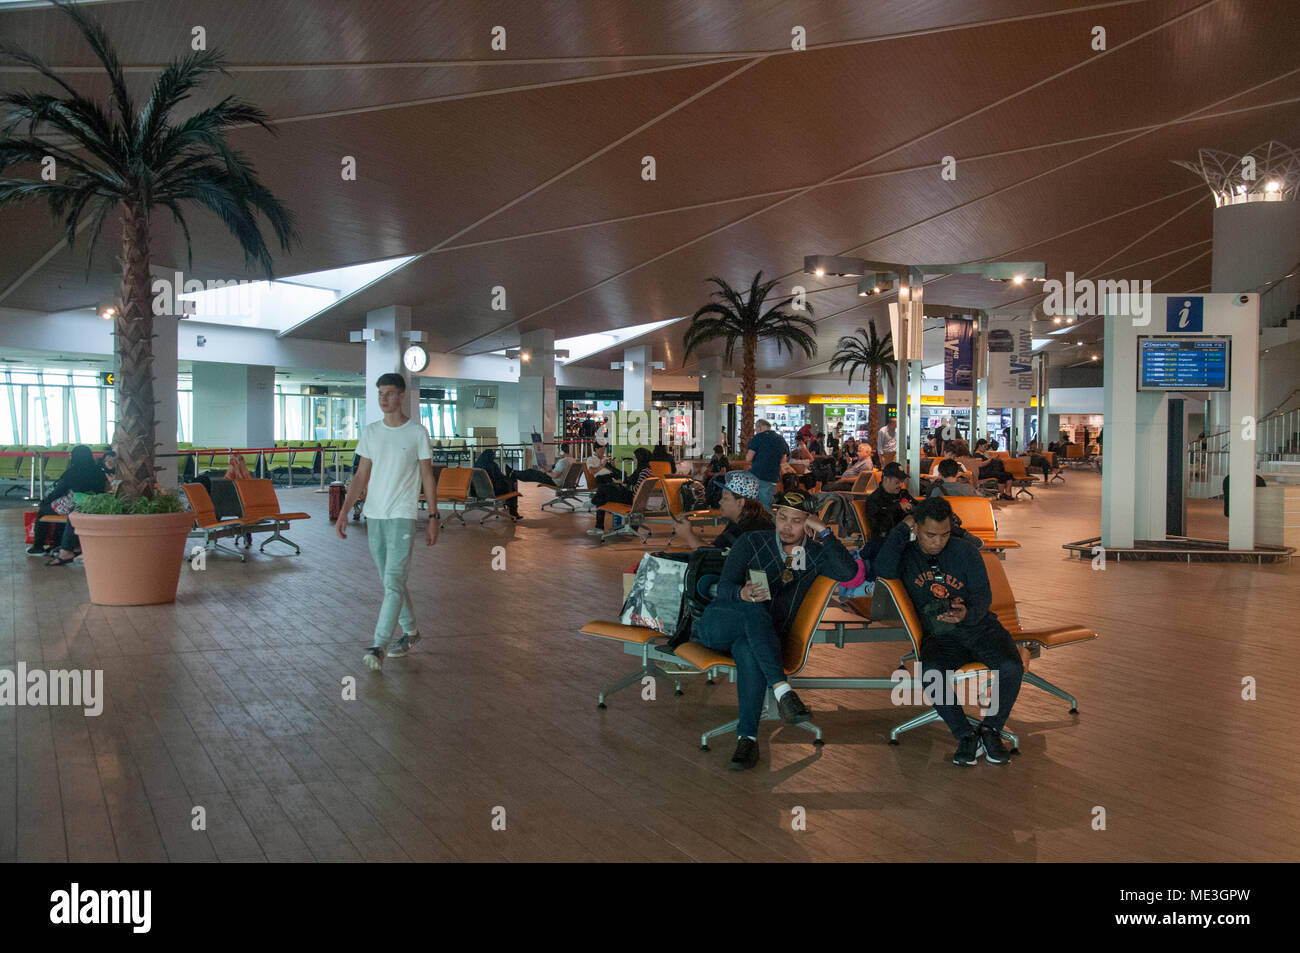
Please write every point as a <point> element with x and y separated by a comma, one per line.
<point>709,426</point>
<point>980,404</point>
<point>1134,487</point>
<point>165,369</point>
<point>234,405</point>
<point>384,356</point>
<point>1255,243</point>
<point>637,379</point>
<point>537,402</point>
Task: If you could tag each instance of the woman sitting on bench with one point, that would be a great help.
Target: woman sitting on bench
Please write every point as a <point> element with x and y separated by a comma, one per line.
<point>615,492</point>
<point>83,475</point>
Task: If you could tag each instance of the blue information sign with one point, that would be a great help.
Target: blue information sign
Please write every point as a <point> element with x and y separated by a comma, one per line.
<point>1184,363</point>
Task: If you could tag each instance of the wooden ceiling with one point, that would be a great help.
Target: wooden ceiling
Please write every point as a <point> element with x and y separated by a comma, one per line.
<point>523,168</point>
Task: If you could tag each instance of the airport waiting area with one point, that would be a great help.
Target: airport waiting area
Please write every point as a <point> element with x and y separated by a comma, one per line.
<point>441,459</point>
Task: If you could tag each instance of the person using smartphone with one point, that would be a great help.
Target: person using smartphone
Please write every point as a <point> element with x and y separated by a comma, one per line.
<point>949,587</point>
<point>764,580</point>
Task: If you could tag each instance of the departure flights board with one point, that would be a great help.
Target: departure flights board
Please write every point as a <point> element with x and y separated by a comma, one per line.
<point>1184,363</point>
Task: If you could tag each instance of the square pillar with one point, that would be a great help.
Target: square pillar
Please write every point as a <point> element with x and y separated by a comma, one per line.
<point>711,422</point>
<point>637,379</point>
<point>234,405</point>
<point>384,356</point>
<point>165,365</point>
<point>537,400</point>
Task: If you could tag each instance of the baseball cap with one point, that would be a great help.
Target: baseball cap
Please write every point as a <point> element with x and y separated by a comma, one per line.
<point>741,483</point>
<point>892,469</point>
<point>793,499</point>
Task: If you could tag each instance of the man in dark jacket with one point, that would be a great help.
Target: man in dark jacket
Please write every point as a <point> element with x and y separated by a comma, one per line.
<point>887,505</point>
<point>946,580</point>
<point>750,620</point>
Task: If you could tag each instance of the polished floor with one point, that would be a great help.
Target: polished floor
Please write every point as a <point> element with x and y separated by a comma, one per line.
<point>231,700</point>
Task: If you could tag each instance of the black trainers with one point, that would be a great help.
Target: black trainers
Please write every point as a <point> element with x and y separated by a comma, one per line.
<point>968,749</point>
<point>793,711</point>
<point>991,746</point>
<point>746,755</point>
<point>35,549</point>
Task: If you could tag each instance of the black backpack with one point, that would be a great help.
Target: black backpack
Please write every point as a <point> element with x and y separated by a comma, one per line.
<point>694,496</point>
<point>703,567</point>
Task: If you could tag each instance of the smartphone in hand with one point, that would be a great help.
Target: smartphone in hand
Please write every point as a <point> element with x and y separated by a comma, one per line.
<point>759,580</point>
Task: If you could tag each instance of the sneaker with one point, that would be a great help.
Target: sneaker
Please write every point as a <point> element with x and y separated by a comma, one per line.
<point>35,549</point>
<point>374,659</point>
<point>968,749</point>
<point>793,711</point>
<point>991,746</point>
<point>595,531</point>
<point>403,645</point>
<point>746,755</point>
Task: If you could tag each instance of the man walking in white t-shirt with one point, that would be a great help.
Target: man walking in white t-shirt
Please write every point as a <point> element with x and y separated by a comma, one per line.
<point>394,464</point>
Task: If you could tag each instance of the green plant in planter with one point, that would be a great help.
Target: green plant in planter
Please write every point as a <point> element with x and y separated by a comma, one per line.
<point>110,504</point>
<point>136,162</point>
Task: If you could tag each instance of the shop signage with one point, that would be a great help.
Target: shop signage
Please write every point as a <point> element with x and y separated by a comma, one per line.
<point>679,396</point>
<point>573,393</point>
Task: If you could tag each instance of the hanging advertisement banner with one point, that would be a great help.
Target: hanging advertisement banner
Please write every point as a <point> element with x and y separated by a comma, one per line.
<point>958,362</point>
<point>1010,361</point>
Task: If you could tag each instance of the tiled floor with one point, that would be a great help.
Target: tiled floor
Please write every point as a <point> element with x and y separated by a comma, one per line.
<point>231,700</point>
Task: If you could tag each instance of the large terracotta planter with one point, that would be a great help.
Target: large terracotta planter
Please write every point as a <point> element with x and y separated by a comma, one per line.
<point>132,560</point>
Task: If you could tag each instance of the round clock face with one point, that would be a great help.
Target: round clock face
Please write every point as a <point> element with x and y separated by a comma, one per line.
<point>415,358</point>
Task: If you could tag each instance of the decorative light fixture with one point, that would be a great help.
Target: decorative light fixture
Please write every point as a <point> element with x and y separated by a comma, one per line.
<point>1274,171</point>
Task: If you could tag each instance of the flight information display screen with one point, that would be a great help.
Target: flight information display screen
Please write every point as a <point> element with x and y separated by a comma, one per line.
<point>1184,363</point>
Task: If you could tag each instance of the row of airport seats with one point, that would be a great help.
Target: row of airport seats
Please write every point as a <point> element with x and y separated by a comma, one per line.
<point>19,467</point>
<point>302,458</point>
<point>247,507</point>
<point>888,615</point>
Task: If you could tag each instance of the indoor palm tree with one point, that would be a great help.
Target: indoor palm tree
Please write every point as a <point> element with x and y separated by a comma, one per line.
<point>115,158</point>
<point>740,318</point>
<point>874,356</point>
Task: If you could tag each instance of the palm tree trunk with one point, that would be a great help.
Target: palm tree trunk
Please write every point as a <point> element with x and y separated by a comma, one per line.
<point>873,389</point>
<point>133,437</point>
<point>748,386</point>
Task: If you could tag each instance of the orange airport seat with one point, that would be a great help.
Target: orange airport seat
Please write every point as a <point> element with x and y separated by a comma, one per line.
<point>258,500</point>
<point>976,515</point>
<point>213,527</point>
<point>694,658</point>
<point>634,513</point>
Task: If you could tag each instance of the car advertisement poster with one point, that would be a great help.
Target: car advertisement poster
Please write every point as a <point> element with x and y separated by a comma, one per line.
<point>1011,347</point>
<point>958,362</point>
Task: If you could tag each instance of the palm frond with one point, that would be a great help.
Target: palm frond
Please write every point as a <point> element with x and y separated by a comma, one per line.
<point>98,40</point>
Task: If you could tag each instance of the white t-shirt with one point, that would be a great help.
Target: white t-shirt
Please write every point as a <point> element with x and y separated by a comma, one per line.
<point>394,454</point>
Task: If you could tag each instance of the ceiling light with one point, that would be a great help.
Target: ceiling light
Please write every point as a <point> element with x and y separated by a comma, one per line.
<point>1094,357</point>
<point>1241,190</point>
<point>820,272</point>
<point>1056,320</point>
<point>1273,186</point>
<point>1018,280</point>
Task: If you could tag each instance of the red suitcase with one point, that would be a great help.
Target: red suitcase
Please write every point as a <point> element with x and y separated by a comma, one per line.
<point>337,492</point>
<point>29,526</point>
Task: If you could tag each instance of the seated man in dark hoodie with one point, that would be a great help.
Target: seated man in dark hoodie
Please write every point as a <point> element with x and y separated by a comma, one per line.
<point>751,621</point>
<point>945,577</point>
<point>886,506</point>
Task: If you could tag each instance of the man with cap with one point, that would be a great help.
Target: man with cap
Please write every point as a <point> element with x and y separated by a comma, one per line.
<point>750,620</point>
<point>739,505</point>
<point>887,505</point>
